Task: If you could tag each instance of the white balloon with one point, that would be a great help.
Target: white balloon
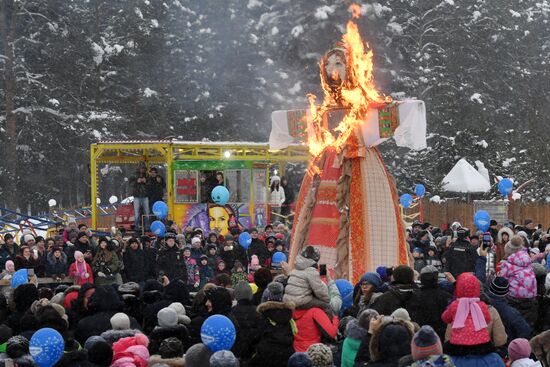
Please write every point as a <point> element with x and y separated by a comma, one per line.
<point>113,199</point>
<point>98,201</point>
<point>52,202</point>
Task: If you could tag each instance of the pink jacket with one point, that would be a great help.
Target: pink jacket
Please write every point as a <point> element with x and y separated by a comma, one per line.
<point>517,269</point>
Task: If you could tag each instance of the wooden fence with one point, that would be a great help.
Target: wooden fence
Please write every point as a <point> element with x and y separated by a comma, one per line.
<point>450,211</point>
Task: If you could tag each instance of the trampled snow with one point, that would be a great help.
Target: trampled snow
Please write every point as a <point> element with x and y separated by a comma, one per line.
<point>465,179</point>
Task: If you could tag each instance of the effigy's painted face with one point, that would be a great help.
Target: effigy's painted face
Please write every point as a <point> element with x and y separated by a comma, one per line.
<point>336,68</point>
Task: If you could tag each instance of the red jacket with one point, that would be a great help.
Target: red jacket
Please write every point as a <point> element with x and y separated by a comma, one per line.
<point>312,324</point>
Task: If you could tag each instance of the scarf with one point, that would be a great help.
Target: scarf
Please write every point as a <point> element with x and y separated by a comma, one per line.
<point>80,268</point>
<point>469,306</point>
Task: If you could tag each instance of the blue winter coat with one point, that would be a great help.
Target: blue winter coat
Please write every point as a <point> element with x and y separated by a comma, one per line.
<point>488,360</point>
<point>514,323</point>
<point>56,267</point>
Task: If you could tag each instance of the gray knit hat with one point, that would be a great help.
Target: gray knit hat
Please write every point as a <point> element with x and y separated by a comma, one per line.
<point>224,358</point>
<point>243,291</point>
<point>320,355</point>
<point>167,317</point>
<point>198,356</point>
<point>273,293</point>
<point>120,321</point>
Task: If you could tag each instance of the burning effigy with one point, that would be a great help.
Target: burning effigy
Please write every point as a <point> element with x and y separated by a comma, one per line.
<point>348,204</point>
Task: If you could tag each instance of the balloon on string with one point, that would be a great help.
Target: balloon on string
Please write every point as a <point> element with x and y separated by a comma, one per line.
<point>113,200</point>
<point>420,190</point>
<point>346,292</point>
<point>245,240</point>
<point>278,258</point>
<point>46,347</point>
<point>220,195</point>
<point>406,200</point>
<point>52,202</point>
<point>505,186</point>
<point>218,333</point>
<point>158,228</point>
<point>160,209</point>
<point>482,220</point>
<point>21,276</point>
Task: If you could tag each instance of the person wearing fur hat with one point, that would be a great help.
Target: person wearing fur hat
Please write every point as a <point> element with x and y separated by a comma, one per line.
<point>320,355</point>
<point>262,277</point>
<point>106,264</point>
<point>390,341</point>
<point>503,237</point>
<point>277,331</point>
<point>80,270</point>
<point>26,259</point>
<point>168,327</point>
<point>426,349</point>
<point>428,303</point>
<point>104,303</point>
<point>170,353</point>
<point>401,290</point>
<point>135,262</point>
<point>249,321</point>
<point>305,287</point>
<point>56,266</point>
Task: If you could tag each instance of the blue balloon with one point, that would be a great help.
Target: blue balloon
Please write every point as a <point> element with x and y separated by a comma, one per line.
<point>278,258</point>
<point>406,200</point>
<point>160,209</point>
<point>482,220</point>
<point>218,333</point>
<point>220,195</point>
<point>346,292</point>
<point>158,228</point>
<point>420,190</point>
<point>46,347</point>
<point>505,186</point>
<point>245,240</point>
<point>21,276</point>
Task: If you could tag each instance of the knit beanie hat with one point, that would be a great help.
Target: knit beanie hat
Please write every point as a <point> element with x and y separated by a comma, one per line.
<point>371,278</point>
<point>499,286</point>
<point>425,343</point>
<point>312,253</point>
<point>171,348</point>
<point>120,321</point>
<point>519,348</point>
<point>27,238</point>
<point>403,274</point>
<point>197,356</point>
<point>243,291</point>
<point>80,235</point>
<point>180,310</point>
<point>320,355</point>
<point>299,359</point>
<point>78,255</point>
<point>224,358</point>
<point>273,293</point>
<point>401,314</point>
<point>383,272</point>
<point>167,317</point>
<point>17,346</point>
<point>100,353</point>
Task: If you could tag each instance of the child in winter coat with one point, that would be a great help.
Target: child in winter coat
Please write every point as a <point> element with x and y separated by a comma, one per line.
<point>434,259</point>
<point>206,273</point>
<point>238,273</point>
<point>193,276</point>
<point>519,351</point>
<point>57,263</point>
<point>80,270</point>
<point>211,253</point>
<point>354,334</point>
<point>520,275</point>
<point>221,269</point>
<point>8,271</point>
<point>469,316</point>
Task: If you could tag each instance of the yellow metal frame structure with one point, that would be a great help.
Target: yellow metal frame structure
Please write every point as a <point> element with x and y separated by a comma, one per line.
<point>169,151</point>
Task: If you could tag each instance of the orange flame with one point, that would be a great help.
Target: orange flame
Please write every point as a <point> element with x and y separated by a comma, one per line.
<point>356,91</point>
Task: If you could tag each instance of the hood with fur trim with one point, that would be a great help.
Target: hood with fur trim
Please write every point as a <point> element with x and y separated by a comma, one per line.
<point>112,336</point>
<point>354,330</point>
<point>279,312</point>
<point>504,230</point>
<point>391,341</point>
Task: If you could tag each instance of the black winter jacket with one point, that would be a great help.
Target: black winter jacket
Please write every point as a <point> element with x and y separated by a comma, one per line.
<point>170,261</point>
<point>250,322</point>
<point>460,258</point>
<point>135,266</point>
<point>396,297</point>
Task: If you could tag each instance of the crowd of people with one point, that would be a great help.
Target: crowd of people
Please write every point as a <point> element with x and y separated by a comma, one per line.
<point>468,299</point>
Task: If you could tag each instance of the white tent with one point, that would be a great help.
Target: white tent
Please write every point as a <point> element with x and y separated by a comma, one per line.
<point>465,179</point>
